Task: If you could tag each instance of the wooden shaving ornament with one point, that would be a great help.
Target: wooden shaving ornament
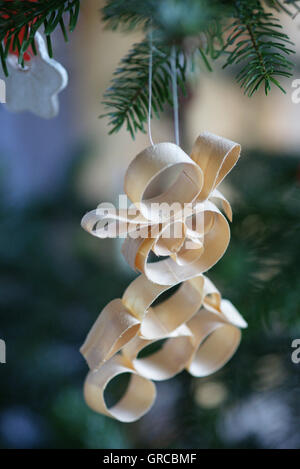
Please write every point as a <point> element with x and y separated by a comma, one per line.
<point>200,331</point>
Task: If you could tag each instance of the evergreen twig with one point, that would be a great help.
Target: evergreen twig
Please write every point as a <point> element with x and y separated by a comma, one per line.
<point>242,31</point>
<point>127,97</point>
<point>257,42</point>
<point>20,20</point>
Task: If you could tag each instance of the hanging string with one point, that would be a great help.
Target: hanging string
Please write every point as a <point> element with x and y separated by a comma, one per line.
<point>150,86</point>
<point>175,94</point>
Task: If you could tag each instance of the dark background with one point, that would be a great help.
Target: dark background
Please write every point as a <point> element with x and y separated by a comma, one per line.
<point>55,279</point>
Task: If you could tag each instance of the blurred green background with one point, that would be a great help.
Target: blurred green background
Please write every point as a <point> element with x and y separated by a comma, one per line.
<point>53,286</point>
<point>55,278</point>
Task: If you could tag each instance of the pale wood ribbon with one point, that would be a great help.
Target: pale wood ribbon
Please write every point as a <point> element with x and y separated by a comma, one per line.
<point>200,331</point>
<point>190,180</point>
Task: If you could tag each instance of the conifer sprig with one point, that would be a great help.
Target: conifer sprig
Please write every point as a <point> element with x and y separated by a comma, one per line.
<point>127,97</point>
<point>259,45</point>
<point>20,20</point>
<point>243,32</point>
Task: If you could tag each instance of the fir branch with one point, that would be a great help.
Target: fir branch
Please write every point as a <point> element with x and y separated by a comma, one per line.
<point>127,98</point>
<point>175,19</point>
<point>281,6</point>
<point>256,40</point>
<point>191,25</point>
<point>130,14</point>
<point>20,20</point>
<point>241,30</point>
